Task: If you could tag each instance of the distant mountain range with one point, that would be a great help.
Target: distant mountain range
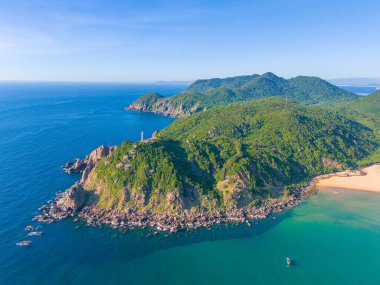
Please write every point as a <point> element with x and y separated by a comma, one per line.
<point>204,94</point>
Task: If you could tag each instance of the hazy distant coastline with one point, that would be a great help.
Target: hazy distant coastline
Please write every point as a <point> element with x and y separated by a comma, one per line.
<point>357,82</point>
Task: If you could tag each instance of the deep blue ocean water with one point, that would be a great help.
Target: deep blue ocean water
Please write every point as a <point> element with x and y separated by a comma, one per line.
<point>360,90</point>
<point>333,237</point>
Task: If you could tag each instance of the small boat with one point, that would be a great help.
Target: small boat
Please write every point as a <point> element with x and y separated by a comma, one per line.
<point>288,261</point>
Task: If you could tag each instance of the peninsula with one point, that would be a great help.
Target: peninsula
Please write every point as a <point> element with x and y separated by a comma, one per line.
<point>232,163</point>
<point>205,94</point>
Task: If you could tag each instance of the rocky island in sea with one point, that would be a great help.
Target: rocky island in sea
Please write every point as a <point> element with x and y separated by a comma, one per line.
<point>230,163</point>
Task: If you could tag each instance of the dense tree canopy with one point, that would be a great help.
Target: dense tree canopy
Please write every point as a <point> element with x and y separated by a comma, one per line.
<point>232,155</point>
<point>204,94</point>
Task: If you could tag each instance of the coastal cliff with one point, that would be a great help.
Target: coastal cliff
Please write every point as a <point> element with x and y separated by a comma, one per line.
<point>178,106</point>
<point>229,163</point>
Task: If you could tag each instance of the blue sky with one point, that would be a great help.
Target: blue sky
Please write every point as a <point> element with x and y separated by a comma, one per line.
<point>142,41</point>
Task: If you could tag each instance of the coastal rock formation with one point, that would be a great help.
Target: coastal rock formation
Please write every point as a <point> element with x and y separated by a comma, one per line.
<point>172,222</point>
<point>160,105</point>
<point>73,199</point>
<point>75,167</point>
<point>66,204</point>
<point>86,165</point>
<point>93,158</point>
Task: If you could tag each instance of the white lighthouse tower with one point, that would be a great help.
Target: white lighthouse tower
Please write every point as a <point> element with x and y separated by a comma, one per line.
<point>142,136</point>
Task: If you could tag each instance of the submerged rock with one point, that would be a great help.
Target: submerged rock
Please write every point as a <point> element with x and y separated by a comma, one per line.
<point>24,243</point>
<point>35,234</point>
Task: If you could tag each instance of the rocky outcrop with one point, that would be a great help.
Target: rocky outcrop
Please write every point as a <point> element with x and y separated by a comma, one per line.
<point>77,166</point>
<point>93,158</point>
<point>73,203</point>
<point>86,165</point>
<point>70,202</point>
<point>170,221</point>
<point>66,204</point>
<point>73,199</point>
<point>165,108</point>
<point>332,164</point>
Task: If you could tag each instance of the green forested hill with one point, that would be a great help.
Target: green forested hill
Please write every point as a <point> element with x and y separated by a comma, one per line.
<point>204,85</point>
<point>319,91</point>
<point>369,104</point>
<point>204,94</point>
<point>230,156</point>
<point>365,109</point>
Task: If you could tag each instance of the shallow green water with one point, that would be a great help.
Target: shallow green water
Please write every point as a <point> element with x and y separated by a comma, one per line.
<point>333,239</point>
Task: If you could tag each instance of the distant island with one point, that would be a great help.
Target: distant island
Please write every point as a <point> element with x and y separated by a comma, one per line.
<point>235,160</point>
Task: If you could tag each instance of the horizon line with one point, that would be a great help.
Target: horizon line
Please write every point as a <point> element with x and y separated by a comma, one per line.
<point>179,82</point>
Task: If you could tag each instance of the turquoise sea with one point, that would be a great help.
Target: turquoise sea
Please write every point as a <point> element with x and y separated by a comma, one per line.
<point>333,238</point>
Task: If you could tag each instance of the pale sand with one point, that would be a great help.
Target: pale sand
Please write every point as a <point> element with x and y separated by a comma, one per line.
<point>367,179</point>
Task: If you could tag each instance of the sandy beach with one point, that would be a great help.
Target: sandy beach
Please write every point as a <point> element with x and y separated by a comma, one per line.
<point>367,179</point>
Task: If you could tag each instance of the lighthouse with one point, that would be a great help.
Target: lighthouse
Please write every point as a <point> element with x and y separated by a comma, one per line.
<point>142,136</point>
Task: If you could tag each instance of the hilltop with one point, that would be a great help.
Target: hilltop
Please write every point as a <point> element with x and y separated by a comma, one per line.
<point>204,94</point>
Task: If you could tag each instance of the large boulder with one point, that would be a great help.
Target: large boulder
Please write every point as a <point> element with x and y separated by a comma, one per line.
<point>73,199</point>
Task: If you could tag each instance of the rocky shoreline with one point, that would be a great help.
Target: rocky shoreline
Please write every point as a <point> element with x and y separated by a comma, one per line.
<point>167,112</point>
<point>74,203</point>
<point>70,205</point>
<point>157,104</point>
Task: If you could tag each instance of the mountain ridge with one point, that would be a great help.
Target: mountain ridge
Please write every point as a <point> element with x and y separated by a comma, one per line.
<point>207,93</point>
